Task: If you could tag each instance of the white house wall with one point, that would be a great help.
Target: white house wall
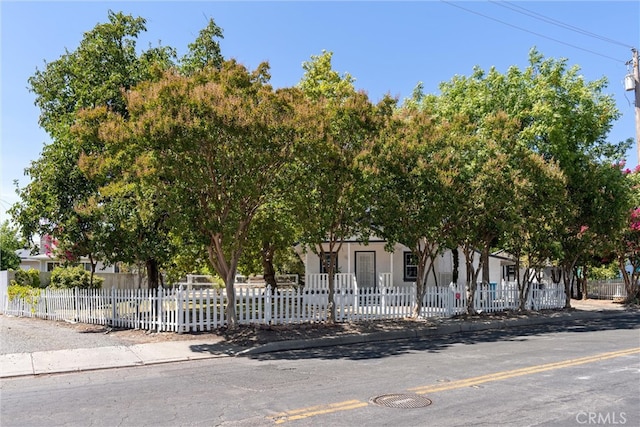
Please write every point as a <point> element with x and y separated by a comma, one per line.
<point>29,265</point>
<point>495,266</point>
<point>41,262</point>
<point>347,257</point>
<point>393,263</point>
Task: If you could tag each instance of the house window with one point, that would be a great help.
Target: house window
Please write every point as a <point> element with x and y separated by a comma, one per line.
<point>410,267</point>
<point>52,265</point>
<point>327,258</point>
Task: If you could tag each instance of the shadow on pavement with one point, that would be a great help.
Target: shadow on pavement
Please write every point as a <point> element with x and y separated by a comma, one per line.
<point>439,343</point>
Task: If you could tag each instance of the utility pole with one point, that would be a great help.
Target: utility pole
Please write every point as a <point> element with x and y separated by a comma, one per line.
<point>636,78</point>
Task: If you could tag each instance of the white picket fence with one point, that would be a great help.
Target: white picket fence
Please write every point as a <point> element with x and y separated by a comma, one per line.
<point>183,310</point>
<point>606,289</point>
<point>547,296</point>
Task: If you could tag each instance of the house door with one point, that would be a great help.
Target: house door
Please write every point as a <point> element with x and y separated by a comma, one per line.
<point>366,269</point>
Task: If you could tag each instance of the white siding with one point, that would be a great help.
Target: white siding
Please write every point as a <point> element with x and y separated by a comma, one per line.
<point>394,263</point>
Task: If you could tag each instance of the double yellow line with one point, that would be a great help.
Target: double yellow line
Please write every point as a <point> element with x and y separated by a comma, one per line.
<point>498,376</point>
<point>298,414</point>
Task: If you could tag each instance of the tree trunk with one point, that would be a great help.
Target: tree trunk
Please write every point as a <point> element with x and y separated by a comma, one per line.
<point>420,286</point>
<point>456,265</point>
<point>268,270</point>
<point>152,273</point>
<point>631,288</point>
<point>420,289</point>
<point>332,287</point>
<point>93,269</point>
<point>567,275</point>
<point>484,260</point>
<point>329,266</point>
<point>521,282</point>
<point>432,268</point>
<point>426,254</point>
<point>140,271</point>
<point>151,265</point>
<point>578,282</point>
<point>472,276</point>
<point>227,271</point>
<point>584,284</point>
<point>230,309</point>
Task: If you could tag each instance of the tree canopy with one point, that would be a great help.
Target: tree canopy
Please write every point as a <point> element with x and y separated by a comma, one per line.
<point>628,248</point>
<point>213,143</point>
<point>81,192</point>
<point>58,200</point>
<point>409,173</point>
<point>163,162</point>
<point>10,242</point>
<point>330,197</point>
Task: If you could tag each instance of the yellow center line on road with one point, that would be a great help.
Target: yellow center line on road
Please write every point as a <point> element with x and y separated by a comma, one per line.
<point>298,414</point>
<point>468,382</point>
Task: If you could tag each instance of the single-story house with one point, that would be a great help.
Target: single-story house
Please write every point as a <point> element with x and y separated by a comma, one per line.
<point>373,266</point>
<point>45,262</point>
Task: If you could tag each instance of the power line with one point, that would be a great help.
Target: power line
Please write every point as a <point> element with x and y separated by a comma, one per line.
<point>534,33</point>
<point>539,16</point>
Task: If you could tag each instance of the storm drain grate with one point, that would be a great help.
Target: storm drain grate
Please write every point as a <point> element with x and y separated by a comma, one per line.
<point>403,401</point>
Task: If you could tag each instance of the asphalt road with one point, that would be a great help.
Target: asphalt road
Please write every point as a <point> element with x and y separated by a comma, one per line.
<point>555,375</point>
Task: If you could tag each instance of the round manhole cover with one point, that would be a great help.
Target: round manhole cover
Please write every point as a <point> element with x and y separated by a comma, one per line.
<point>404,401</point>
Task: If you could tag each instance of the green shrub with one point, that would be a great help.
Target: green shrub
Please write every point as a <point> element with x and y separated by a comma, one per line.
<point>27,278</point>
<point>604,272</point>
<point>29,294</point>
<point>217,281</point>
<point>74,277</point>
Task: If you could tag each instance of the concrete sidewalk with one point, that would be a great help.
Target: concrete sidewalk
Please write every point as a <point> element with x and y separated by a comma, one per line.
<point>83,359</point>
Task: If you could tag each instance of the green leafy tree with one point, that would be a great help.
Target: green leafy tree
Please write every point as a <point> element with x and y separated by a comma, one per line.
<point>485,148</point>
<point>628,250</point>
<point>10,242</point>
<point>409,174</point>
<point>213,143</point>
<point>541,201</point>
<point>63,200</point>
<point>204,51</point>
<point>189,256</point>
<point>568,121</point>
<point>134,228</point>
<point>330,200</point>
<point>490,184</point>
<point>608,213</point>
<point>273,231</point>
<point>139,226</point>
<point>547,109</point>
<point>604,270</point>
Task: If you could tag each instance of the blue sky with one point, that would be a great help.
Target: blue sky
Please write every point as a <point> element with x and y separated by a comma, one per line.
<point>387,46</point>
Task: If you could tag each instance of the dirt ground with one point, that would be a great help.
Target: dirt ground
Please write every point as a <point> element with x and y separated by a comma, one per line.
<point>247,335</point>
